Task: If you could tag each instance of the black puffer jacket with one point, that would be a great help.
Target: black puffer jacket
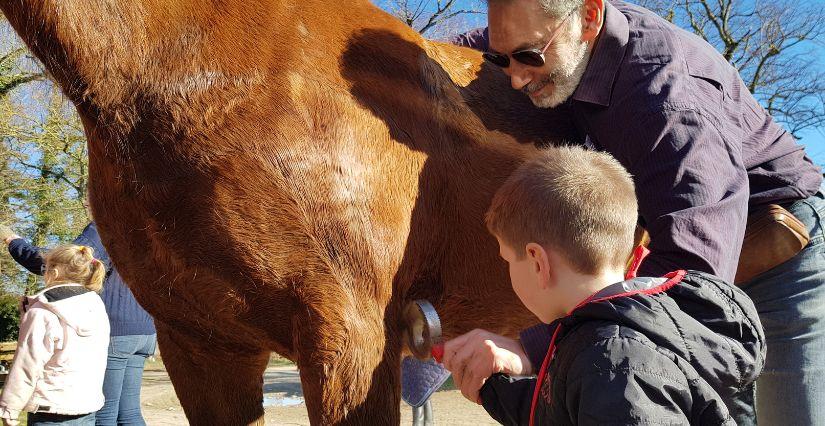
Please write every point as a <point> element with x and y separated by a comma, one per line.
<point>673,350</point>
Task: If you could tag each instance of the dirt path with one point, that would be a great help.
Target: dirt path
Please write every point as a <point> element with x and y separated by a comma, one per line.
<point>282,387</point>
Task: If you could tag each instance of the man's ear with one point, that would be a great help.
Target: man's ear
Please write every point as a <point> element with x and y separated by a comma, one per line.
<point>541,262</point>
<point>592,19</point>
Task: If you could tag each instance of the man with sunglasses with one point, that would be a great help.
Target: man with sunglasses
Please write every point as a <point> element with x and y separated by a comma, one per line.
<point>703,153</point>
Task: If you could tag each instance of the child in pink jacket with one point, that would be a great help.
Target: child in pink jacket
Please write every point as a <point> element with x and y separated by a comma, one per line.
<point>57,374</point>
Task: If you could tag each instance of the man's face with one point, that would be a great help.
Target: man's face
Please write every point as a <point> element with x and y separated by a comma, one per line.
<point>522,24</point>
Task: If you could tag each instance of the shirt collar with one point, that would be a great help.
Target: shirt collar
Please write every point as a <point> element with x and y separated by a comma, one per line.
<point>596,85</point>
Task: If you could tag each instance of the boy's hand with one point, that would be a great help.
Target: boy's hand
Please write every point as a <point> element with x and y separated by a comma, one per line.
<point>477,355</point>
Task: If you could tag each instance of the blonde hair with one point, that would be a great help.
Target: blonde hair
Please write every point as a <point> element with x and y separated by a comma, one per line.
<point>74,264</point>
<point>581,203</point>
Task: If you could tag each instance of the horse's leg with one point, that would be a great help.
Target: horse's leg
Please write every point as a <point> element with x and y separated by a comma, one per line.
<point>216,384</point>
<point>350,370</point>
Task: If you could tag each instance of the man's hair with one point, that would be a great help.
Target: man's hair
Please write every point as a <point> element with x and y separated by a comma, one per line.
<point>578,202</point>
<point>555,8</point>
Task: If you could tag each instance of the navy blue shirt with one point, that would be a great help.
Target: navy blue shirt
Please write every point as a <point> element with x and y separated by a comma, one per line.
<point>126,316</point>
<point>700,148</point>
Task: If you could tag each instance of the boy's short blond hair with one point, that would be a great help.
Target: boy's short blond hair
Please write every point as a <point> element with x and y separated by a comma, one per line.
<point>581,203</point>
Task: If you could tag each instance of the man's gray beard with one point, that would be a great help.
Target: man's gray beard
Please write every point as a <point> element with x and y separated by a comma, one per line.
<point>567,83</point>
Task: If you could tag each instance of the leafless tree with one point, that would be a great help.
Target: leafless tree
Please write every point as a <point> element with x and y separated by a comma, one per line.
<point>10,76</point>
<point>432,18</point>
<point>775,44</point>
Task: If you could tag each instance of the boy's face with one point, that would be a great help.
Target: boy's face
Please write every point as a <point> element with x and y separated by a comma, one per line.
<point>525,276</point>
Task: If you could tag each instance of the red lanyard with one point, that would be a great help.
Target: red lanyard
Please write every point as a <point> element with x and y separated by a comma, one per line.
<point>639,254</point>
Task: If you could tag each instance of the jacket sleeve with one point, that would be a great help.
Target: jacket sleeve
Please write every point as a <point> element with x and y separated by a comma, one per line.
<point>40,334</point>
<point>508,400</point>
<point>26,255</point>
<point>626,382</point>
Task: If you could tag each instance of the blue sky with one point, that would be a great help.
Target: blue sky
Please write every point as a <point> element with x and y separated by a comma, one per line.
<point>814,142</point>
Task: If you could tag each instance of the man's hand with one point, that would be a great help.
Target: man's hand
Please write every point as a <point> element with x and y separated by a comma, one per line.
<point>477,355</point>
<point>7,234</point>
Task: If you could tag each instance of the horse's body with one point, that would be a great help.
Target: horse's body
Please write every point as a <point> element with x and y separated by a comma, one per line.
<point>283,177</point>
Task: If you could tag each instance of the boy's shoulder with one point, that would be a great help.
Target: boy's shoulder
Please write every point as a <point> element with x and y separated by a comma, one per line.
<point>596,347</point>
<point>654,324</point>
<point>612,374</point>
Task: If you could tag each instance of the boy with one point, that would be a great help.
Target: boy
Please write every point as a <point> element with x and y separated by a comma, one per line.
<point>679,349</point>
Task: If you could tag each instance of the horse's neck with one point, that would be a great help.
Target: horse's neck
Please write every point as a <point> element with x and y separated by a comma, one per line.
<point>106,53</point>
<point>80,41</point>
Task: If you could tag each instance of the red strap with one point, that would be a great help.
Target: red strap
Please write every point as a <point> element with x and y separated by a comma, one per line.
<point>544,365</point>
<point>639,254</point>
<point>437,352</point>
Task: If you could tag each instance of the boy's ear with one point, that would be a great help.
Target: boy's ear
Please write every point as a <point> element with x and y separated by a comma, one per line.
<point>541,262</point>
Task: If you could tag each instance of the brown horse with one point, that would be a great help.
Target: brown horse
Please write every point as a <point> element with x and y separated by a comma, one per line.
<point>283,176</point>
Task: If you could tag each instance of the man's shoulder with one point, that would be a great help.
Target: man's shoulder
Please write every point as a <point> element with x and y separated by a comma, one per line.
<point>658,50</point>
<point>651,39</point>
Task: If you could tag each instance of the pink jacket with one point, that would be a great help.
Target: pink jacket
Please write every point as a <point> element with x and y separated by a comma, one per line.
<point>61,354</point>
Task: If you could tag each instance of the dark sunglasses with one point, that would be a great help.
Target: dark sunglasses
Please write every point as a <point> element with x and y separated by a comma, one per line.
<point>529,57</point>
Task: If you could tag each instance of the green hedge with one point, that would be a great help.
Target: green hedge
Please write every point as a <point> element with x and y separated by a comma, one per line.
<point>9,317</point>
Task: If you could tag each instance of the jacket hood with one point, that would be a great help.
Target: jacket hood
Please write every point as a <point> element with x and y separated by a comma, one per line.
<point>72,303</point>
<point>712,325</point>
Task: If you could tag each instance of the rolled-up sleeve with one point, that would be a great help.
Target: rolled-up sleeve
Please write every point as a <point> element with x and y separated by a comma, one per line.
<point>693,192</point>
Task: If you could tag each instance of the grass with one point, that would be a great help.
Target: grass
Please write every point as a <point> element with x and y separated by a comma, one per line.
<point>278,361</point>
<point>448,385</point>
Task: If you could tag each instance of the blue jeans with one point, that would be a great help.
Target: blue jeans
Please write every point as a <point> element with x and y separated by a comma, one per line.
<point>48,419</point>
<point>790,299</point>
<point>124,374</point>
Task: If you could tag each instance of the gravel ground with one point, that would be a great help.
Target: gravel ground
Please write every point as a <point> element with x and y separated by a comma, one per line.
<point>282,387</point>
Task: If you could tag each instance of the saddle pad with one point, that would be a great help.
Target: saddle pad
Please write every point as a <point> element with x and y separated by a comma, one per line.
<point>419,379</point>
